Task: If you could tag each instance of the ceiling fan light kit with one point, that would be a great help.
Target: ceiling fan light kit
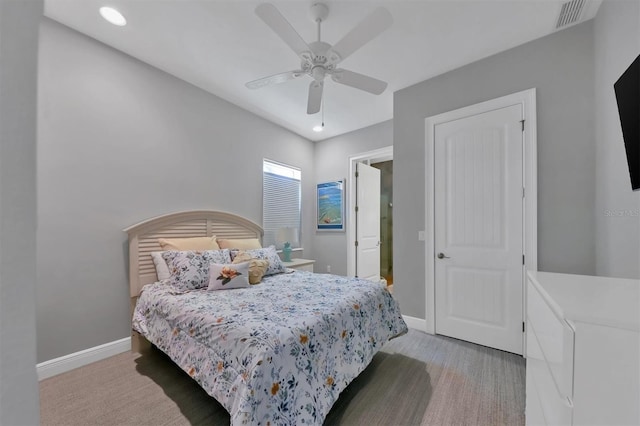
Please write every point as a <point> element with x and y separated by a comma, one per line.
<point>113,16</point>
<point>319,59</point>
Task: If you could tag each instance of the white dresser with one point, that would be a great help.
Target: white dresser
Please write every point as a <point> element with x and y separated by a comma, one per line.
<point>583,350</point>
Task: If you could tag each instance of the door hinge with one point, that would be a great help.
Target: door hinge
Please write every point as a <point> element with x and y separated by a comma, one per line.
<point>523,259</point>
<point>357,174</point>
<point>523,327</point>
<point>356,209</point>
<point>522,122</point>
<point>522,192</point>
<point>356,243</point>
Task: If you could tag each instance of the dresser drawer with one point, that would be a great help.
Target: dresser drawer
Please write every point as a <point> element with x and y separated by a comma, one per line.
<point>582,349</point>
<point>545,404</point>
<point>555,340</point>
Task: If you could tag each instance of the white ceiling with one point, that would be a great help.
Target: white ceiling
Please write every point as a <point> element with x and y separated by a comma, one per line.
<point>220,45</point>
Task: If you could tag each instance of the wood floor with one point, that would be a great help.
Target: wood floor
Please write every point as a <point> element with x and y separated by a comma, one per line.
<point>417,379</point>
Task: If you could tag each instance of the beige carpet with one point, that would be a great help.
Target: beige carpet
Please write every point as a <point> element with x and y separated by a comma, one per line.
<point>417,379</point>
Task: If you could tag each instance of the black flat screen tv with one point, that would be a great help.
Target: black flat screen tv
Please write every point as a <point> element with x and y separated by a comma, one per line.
<point>627,90</point>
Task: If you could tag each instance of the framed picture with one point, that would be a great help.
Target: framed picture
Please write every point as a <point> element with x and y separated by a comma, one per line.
<point>330,206</point>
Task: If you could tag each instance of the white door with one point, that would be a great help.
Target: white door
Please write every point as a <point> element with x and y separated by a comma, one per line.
<point>367,222</point>
<point>479,228</point>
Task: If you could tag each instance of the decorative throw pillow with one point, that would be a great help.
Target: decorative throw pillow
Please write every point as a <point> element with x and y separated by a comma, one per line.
<point>225,277</point>
<point>217,256</point>
<point>257,267</point>
<point>240,244</point>
<point>193,244</point>
<point>190,270</point>
<point>162,270</point>
<point>269,254</point>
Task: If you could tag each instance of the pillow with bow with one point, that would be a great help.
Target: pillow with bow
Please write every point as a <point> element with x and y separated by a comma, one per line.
<point>269,253</point>
<point>257,267</point>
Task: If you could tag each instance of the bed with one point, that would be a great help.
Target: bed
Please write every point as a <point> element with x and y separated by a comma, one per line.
<point>279,352</point>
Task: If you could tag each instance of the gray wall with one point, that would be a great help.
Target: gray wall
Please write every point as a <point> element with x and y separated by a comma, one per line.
<point>18,107</point>
<point>332,162</point>
<point>560,67</point>
<point>114,132</point>
<point>119,142</point>
<point>617,212</point>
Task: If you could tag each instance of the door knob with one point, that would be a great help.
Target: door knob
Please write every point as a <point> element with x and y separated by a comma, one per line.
<point>442,256</point>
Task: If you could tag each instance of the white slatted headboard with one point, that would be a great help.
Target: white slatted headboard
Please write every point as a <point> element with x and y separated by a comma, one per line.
<point>143,238</point>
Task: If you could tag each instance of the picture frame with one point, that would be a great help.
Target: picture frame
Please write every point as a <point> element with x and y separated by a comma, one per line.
<point>330,212</point>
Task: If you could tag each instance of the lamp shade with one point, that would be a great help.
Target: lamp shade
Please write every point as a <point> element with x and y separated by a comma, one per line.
<point>287,235</point>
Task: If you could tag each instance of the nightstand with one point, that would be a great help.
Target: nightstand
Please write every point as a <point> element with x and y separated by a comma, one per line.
<point>300,264</point>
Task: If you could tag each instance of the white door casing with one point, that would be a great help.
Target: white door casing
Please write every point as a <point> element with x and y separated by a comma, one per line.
<point>368,222</point>
<point>527,99</point>
<point>369,157</point>
<point>478,228</point>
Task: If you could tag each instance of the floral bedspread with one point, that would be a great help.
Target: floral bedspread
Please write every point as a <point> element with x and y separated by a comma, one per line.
<point>279,352</point>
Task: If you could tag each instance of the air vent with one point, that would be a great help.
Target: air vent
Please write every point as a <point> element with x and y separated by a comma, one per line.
<point>570,13</point>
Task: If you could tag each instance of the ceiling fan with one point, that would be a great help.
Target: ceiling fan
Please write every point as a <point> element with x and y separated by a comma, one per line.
<point>319,59</point>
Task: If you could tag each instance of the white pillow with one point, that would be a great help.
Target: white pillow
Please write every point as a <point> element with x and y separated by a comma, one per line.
<point>227,276</point>
<point>162,270</point>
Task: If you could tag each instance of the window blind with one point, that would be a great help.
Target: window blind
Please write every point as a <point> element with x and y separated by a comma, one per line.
<point>281,202</point>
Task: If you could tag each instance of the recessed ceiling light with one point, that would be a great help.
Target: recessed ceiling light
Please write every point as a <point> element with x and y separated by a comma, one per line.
<point>318,128</point>
<point>113,16</point>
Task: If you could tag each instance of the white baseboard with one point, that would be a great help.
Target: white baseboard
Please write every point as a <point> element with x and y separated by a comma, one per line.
<point>415,323</point>
<point>66,363</point>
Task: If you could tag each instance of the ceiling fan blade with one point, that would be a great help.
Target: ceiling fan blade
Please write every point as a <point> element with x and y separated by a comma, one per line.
<point>359,81</point>
<point>274,79</point>
<point>378,21</point>
<point>315,97</point>
<point>274,19</point>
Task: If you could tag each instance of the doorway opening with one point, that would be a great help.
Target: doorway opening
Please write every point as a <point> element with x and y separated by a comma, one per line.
<point>381,159</point>
<point>386,220</point>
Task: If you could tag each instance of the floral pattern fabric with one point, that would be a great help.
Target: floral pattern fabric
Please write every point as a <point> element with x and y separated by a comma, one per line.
<point>190,269</point>
<point>276,353</point>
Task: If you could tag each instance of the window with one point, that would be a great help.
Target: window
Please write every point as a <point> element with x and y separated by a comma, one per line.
<point>281,201</point>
